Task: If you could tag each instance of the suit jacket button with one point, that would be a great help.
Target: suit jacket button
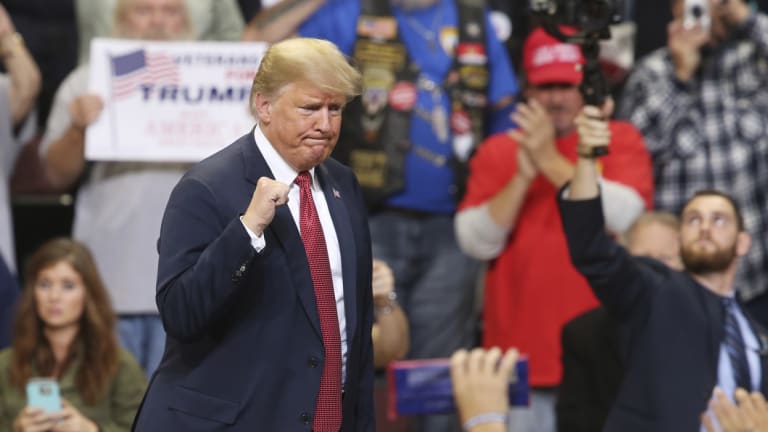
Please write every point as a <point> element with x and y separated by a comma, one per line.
<point>304,418</point>
<point>313,362</point>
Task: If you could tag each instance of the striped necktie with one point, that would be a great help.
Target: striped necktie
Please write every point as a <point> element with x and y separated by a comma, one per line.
<point>734,346</point>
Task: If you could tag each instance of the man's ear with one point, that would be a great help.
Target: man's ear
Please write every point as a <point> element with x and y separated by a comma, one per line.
<point>743,242</point>
<point>262,107</point>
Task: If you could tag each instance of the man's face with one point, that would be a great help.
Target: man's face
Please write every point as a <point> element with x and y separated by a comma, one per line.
<point>155,20</point>
<point>563,102</point>
<point>302,122</point>
<point>658,241</point>
<point>710,235</point>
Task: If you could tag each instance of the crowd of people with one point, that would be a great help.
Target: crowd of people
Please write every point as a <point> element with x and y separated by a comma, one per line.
<point>405,155</point>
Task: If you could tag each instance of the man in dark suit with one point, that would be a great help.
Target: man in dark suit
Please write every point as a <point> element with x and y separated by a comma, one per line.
<point>265,293</point>
<point>683,327</point>
<point>593,363</point>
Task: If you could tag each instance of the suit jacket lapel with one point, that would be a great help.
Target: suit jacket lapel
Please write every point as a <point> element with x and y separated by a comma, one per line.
<point>283,230</point>
<point>342,225</point>
<point>715,319</point>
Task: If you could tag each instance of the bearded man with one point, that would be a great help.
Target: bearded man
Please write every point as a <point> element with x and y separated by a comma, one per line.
<point>686,333</point>
<point>701,103</point>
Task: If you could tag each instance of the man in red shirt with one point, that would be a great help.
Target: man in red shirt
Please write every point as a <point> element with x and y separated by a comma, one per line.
<point>509,216</point>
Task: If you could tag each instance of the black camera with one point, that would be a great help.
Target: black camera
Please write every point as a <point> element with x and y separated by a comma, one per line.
<point>593,19</point>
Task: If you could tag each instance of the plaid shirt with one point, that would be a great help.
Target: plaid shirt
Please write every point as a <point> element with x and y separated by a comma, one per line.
<point>711,132</point>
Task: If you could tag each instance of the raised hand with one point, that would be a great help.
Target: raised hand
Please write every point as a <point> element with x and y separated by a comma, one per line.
<point>84,110</point>
<point>733,12</point>
<point>592,128</point>
<point>480,380</point>
<point>684,46</point>
<point>268,195</point>
<point>383,280</point>
<point>536,133</point>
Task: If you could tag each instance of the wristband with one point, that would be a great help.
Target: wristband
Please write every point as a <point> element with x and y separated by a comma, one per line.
<point>489,417</point>
<point>587,152</point>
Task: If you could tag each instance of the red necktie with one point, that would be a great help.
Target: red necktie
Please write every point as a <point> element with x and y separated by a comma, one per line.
<point>328,412</point>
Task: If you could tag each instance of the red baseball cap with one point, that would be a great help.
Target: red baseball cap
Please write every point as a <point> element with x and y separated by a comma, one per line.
<point>547,59</point>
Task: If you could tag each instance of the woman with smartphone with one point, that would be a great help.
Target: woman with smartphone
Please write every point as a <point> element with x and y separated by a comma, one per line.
<point>65,371</point>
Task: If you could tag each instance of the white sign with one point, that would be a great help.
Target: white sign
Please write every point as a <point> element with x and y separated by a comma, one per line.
<point>169,101</point>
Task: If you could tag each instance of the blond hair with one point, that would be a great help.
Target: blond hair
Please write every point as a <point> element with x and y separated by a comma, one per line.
<point>662,218</point>
<point>315,61</point>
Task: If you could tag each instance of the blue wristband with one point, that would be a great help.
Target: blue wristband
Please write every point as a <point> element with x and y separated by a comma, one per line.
<point>489,417</point>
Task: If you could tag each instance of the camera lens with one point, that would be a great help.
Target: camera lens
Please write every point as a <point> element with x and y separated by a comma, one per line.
<point>696,11</point>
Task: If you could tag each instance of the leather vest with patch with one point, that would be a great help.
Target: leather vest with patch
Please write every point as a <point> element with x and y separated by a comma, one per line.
<point>375,134</point>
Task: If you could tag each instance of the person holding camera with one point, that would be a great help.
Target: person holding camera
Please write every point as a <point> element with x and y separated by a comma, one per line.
<point>701,103</point>
<point>686,334</point>
<point>509,217</point>
<point>64,329</point>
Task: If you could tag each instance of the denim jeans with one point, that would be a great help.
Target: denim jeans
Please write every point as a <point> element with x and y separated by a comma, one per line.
<point>539,416</point>
<point>144,336</point>
<point>435,283</point>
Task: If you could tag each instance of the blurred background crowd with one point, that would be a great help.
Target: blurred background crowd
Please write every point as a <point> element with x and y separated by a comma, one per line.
<point>468,244</point>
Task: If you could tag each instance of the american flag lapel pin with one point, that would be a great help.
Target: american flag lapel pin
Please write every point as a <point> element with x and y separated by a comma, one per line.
<point>336,194</point>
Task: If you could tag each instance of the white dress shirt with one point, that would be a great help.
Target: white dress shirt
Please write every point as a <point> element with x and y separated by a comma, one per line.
<point>725,376</point>
<point>284,173</point>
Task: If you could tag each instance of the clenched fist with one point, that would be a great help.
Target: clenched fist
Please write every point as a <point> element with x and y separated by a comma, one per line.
<point>268,195</point>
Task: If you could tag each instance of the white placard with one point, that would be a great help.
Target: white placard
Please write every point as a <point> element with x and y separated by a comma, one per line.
<point>169,101</point>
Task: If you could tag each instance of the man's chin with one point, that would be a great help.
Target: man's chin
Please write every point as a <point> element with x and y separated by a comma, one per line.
<point>703,262</point>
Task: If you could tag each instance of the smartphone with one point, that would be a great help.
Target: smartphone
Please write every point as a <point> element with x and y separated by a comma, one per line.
<point>44,393</point>
<point>423,386</point>
<point>696,12</point>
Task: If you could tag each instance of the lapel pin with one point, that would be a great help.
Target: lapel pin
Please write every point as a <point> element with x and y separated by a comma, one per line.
<point>336,194</point>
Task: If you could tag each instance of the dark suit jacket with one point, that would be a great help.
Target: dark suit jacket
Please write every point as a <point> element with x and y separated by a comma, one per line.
<point>592,371</point>
<point>674,323</point>
<point>244,350</point>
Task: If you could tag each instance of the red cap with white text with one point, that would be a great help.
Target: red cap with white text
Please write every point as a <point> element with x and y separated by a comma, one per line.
<point>546,59</point>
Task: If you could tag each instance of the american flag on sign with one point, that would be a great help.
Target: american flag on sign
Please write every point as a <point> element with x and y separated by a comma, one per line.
<point>139,67</point>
